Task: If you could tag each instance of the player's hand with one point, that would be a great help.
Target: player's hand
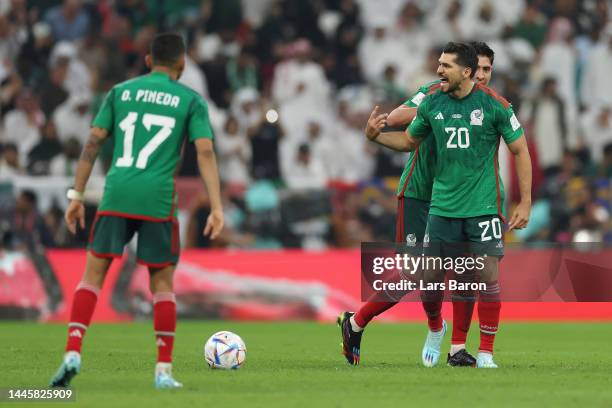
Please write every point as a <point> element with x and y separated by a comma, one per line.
<point>520,216</point>
<point>214,224</point>
<point>375,124</point>
<point>75,213</point>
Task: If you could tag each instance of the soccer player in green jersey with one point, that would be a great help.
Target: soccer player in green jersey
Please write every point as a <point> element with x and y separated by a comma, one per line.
<point>151,117</point>
<point>414,196</point>
<point>466,121</point>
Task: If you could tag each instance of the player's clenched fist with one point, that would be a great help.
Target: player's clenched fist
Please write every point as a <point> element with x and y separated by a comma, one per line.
<point>75,213</point>
<point>375,124</point>
<point>214,224</point>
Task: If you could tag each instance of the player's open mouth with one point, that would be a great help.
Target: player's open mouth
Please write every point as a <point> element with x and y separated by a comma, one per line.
<point>443,80</point>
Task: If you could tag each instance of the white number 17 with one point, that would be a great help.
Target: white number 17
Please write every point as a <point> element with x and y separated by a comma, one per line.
<point>128,126</point>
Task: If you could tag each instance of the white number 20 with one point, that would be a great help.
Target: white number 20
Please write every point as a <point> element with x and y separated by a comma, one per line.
<point>128,126</point>
<point>495,226</point>
<point>462,136</point>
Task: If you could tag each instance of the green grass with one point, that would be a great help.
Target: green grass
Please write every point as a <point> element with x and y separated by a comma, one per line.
<point>299,364</point>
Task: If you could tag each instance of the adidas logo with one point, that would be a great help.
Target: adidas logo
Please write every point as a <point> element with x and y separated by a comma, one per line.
<point>500,244</point>
<point>160,342</point>
<point>75,333</point>
<point>439,116</point>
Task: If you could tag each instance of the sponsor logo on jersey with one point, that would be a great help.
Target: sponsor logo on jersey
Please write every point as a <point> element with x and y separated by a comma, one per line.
<point>439,116</point>
<point>411,240</point>
<point>476,117</point>
<point>418,98</point>
<point>514,122</point>
<point>457,116</point>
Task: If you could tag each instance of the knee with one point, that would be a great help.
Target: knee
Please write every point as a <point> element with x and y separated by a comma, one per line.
<point>159,286</point>
<point>161,283</point>
<point>491,293</point>
<point>95,270</point>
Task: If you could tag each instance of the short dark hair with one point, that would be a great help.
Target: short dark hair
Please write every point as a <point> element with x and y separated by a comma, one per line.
<point>466,55</point>
<point>167,48</point>
<point>483,49</point>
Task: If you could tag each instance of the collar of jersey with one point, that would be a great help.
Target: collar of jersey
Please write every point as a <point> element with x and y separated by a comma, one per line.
<point>158,74</point>
<point>473,91</point>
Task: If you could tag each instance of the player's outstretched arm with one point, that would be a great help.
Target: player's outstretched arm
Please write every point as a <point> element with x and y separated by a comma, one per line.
<point>395,140</point>
<point>76,211</point>
<point>207,163</point>
<point>520,215</point>
<point>401,116</point>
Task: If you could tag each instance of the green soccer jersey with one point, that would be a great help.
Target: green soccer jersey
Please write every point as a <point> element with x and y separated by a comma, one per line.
<point>466,132</point>
<point>418,175</point>
<point>151,117</point>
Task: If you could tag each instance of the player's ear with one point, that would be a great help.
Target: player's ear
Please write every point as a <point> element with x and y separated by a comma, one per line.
<point>149,61</point>
<point>180,66</point>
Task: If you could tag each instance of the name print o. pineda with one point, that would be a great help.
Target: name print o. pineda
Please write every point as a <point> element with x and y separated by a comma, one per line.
<point>156,97</point>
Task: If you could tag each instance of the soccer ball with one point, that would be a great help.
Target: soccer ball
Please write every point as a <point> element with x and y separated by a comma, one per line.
<point>225,350</point>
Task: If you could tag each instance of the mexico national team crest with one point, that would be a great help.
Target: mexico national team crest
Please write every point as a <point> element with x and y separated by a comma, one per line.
<point>476,117</point>
<point>411,240</point>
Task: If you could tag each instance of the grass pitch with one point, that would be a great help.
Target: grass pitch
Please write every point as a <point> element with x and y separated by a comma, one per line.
<point>299,364</point>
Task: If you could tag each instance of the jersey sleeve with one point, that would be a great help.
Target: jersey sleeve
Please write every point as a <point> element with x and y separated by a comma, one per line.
<point>106,115</point>
<point>199,122</point>
<point>420,127</point>
<point>507,125</point>
<point>416,99</point>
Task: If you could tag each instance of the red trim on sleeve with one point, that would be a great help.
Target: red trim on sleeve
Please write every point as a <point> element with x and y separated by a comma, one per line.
<point>494,95</point>
<point>433,88</point>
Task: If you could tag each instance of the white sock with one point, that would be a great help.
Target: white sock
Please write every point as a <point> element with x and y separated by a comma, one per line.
<point>165,368</point>
<point>455,348</point>
<point>354,326</point>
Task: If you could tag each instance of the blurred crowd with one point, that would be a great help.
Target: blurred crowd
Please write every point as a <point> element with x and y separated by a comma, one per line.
<point>290,85</point>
